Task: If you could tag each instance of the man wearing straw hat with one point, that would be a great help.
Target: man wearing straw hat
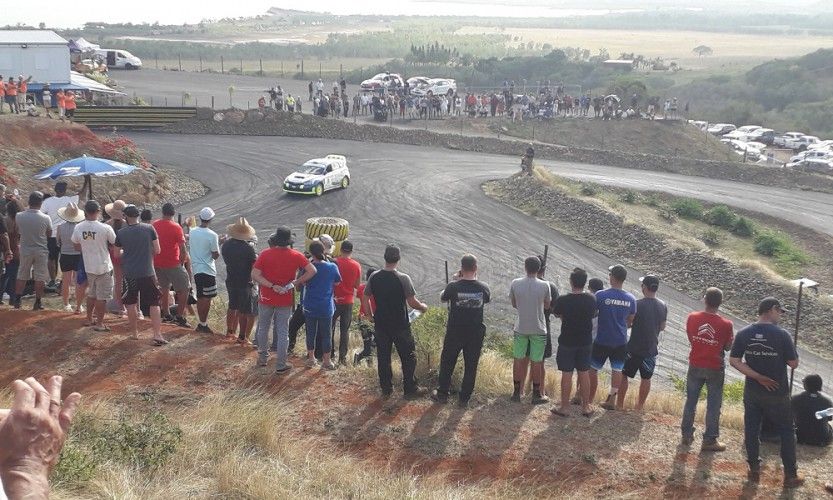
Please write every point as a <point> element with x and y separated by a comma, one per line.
<point>93,238</point>
<point>70,256</point>
<point>239,257</point>
<point>169,264</point>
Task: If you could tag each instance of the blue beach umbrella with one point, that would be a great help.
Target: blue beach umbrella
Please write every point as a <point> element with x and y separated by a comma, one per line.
<point>87,167</point>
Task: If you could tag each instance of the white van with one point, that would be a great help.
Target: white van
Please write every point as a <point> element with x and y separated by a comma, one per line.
<point>119,59</point>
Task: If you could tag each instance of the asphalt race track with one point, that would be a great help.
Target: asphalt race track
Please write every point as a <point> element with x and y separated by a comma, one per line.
<point>430,202</point>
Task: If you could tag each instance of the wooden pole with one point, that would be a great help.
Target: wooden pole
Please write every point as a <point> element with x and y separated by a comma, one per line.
<point>261,66</point>
<point>200,62</point>
<point>180,61</point>
<point>797,324</point>
<point>222,67</point>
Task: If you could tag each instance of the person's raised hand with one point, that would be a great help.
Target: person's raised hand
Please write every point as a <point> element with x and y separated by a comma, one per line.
<point>32,434</point>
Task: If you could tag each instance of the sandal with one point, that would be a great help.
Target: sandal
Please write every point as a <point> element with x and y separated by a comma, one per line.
<point>556,411</point>
<point>160,342</point>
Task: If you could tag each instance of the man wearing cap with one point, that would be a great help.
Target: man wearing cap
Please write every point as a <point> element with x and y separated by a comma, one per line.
<point>204,250</point>
<point>617,309</point>
<point>50,207</point>
<point>94,238</point>
<point>239,257</point>
<point>35,228</point>
<point>276,271</point>
<point>762,351</point>
<point>650,320</point>
<point>169,265</point>
<point>138,243</point>
<point>345,294</point>
<point>710,336</point>
<point>394,292</point>
<point>531,297</point>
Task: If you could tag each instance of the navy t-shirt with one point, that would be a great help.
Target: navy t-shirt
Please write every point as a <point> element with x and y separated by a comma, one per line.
<point>318,291</point>
<point>766,348</point>
<point>615,305</point>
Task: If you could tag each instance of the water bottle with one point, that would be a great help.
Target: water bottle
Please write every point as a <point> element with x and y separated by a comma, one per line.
<point>821,415</point>
<point>414,314</point>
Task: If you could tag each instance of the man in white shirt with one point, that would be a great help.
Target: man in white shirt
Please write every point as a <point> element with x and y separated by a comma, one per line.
<point>93,239</point>
<point>50,207</point>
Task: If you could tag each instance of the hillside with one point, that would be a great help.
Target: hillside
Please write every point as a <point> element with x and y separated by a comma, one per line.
<point>236,431</point>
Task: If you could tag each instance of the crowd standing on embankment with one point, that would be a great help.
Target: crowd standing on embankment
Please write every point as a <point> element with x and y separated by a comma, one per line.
<point>120,261</point>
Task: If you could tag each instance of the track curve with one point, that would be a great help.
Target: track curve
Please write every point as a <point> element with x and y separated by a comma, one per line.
<point>430,202</point>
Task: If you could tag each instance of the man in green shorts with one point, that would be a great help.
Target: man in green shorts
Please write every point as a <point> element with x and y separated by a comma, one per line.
<point>530,296</point>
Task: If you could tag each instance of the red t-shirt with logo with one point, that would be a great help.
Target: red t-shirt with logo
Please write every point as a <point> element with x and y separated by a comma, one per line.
<point>279,265</point>
<point>170,237</point>
<point>350,271</point>
<point>708,334</point>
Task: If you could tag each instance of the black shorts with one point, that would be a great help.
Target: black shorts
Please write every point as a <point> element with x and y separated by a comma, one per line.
<point>645,365</point>
<point>242,300</point>
<point>548,347</point>
<point>69,113</point>
<point>69,262</point>
<point>569,358</point>
<point>146,286</point>
<point>601,353</point>
<point>54,249</point>
<point>206,285</point>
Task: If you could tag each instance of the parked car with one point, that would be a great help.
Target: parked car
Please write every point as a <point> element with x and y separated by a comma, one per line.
<point>751,152</point>
<point>438,86</point>
<point>119,59</point>
<point>812,154</point>
<point>828,144</point>
<point>749,128</point>
<point>383,80</point>
<point>416,82</point>
<point>721,128</point>
<point>700,124</point>
<point>764,135</point>
<point>784,139</point>
<point>813,165</point>
<point>736,135</point>
<point>799,143</point>
<point>319,175</point>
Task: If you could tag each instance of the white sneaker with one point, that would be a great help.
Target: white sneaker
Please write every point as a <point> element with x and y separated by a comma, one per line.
<point>311,363</point>
<point>68,308</point>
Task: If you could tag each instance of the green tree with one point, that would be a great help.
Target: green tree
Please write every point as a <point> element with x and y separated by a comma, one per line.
<point>703,50</point>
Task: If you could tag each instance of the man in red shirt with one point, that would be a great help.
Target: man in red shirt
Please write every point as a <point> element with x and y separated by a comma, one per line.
<point>345,294</point>
<point>710,336</point>
<point>275,270</point>
<point>170,265</point>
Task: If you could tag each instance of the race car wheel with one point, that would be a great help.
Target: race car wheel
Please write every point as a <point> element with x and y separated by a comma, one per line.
<point>318,190</point>
<point>345,181</point>
<point>335,227</point>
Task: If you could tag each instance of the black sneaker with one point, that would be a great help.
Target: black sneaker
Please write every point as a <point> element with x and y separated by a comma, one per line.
<point>437,397</point>
<point>204,329</point>
<point>516,397</point>
<point>167,319</point>
<point>37,306</point>
<point>180,321</point>
<point>16,303</point>
<point>387,393</point>
<point>417,393</point>
<point>540,399</point>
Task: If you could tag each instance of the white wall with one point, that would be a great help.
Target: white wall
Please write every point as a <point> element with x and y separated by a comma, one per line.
<point>46,63</point>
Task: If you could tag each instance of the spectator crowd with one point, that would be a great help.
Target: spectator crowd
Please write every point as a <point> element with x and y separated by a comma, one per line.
<point>116,259</point>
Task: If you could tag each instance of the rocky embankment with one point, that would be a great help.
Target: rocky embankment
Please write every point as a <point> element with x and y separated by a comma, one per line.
<point>688,270</point>
<point>271,122</point>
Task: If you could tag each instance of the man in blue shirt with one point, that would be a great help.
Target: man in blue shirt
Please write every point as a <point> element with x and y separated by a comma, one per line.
<point>762,351</point>
<point>617,309</point>
<point>204,245</point>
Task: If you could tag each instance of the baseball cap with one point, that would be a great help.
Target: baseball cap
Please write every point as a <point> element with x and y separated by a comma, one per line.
<point>92,206</point>
<point>131,211</point>
<point>767,304</point>
<point>618,271</point>
<point>206,214</point>
<point>650,281</point>
<point>346,246</point>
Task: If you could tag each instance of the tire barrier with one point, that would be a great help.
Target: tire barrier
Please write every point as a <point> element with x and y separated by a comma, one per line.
<point>339,229</point>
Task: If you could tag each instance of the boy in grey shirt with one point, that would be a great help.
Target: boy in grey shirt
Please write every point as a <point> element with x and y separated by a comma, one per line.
<point>530,296</point>
<point>35,229</point>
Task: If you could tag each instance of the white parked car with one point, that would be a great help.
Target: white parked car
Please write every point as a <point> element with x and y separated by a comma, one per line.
<point>788,137</point>
<point>438,86</point>
<point>721,128</point>
<point>383,80</point>
<point>828,144</point>
<point>319,175</point>
<point>700,124</point>
<point>798,142</point>
<point>813,165</point>
<point>736,135</point>
<point>810,154</point>
<point>416,82</point>
<point>749,128</point>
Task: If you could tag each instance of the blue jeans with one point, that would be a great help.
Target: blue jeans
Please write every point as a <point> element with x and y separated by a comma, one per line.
<point>695,380</point>
<point>777,409</point>
<point>279,317</point>
<point>7,281</point>
<point>318,330</point>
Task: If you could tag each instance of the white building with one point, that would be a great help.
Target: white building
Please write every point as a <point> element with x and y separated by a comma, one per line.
<point>40,53</point>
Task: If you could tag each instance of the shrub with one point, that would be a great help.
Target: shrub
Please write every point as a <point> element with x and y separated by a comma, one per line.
<point>589,189</point>
<point>688,208</point>
<point>712,238</point>
<point>653,201</point>
<point>629,197</point>
<point>743,227</point>
<point>770,243</point>
<point>721,216</point>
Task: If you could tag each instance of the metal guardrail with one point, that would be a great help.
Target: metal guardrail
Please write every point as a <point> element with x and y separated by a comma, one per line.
<point>132,116</point>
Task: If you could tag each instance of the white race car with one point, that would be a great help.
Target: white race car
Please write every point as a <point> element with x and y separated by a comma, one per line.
<point>319,175</point>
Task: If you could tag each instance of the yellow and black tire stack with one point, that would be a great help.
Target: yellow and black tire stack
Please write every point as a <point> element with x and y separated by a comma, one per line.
<point>337,228</point>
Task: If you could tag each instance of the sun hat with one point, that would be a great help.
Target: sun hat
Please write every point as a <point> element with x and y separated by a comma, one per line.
<point>116,209</point>
<point>71,213</point>
<point>206,214</point>
<point>241,230</point>
<point>328,242</point>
